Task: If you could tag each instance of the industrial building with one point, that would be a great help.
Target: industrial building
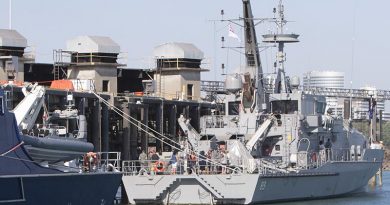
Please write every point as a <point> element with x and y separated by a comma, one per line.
<point>327,79</point>
<point>333,79</point>
<point>91,63</point>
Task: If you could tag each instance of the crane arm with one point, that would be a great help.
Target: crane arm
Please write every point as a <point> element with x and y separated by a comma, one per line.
<point>260,133</point>
<point>26,112</point>
<point>252,54</point>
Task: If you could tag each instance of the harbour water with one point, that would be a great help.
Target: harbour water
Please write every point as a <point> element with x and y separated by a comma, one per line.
<point>377,196</point>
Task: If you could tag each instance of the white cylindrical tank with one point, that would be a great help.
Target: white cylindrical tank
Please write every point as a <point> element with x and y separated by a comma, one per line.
<point>233,82</point>
<point>295,82</point>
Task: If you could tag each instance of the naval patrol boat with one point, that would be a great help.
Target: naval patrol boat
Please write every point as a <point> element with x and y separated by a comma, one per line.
<point>281,142</point>
<point>24,181</point>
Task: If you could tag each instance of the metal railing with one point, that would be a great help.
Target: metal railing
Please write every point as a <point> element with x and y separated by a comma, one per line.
<point>101,162</point>
<point>305,160</point>
<point>181,167</point>
<point>310,160</point>
<point>212,86</point>
<point>109,161</point>
<point>219,121</point>
<point>316,159</point>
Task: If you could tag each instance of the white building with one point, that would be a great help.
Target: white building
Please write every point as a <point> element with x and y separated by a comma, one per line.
<point>327,79</point>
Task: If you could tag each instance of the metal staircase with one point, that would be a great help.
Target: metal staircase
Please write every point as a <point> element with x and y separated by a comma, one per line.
<point>166,189</point>
<point>209,187</point>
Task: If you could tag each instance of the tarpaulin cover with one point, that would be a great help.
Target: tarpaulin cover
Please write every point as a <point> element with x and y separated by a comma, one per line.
<point>17,161</point>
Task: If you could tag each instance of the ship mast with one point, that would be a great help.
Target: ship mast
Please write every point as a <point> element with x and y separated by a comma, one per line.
<point>280,38</point>
<point>252,56</point>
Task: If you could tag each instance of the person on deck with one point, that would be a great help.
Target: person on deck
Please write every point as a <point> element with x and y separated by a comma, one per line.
<point>328,147</point>
<point>143,161</point>
<point>154,159</point>
<point>173,162</point>
<point>224,161</point>
<point>202,162</point>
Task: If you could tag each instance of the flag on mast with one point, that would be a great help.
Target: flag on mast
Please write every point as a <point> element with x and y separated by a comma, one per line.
<point>232,34</point>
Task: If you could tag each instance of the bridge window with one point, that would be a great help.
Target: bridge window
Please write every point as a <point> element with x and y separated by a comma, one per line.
<point>320,107</point>
<point>284,106</point>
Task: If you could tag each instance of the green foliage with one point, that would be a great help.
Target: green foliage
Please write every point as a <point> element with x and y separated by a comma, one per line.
<point>386,133</point>
<point>364,127</point>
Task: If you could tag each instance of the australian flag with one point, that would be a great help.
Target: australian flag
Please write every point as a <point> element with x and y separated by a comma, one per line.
<point>371,108</point>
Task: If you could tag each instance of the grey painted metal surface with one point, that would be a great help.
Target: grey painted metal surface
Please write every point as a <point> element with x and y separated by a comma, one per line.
<point>295,148</point>
<point>177,50</point>
<point>331,179</point>
<point>93,44</point>
<point>12,38</point>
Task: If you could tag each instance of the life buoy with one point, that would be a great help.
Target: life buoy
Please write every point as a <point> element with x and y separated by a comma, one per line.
<point>90,160</point>
<point>159,165</point>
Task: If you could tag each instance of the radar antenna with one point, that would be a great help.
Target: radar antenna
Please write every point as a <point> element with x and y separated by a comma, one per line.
<point>280,38</point>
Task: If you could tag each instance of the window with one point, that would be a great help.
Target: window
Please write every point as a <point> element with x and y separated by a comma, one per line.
<point>1,106</point>
<point>284,106</point>
<point>277,147</point>
<point>234,108</point>
<point>106,84</point>
<point>189,91</point>
<point>320,107</point>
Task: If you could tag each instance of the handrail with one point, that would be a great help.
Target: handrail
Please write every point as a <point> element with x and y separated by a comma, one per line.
<point>149,167</point>
<point>308,146</point>
<point>109,159</point>
<point>315,159</point>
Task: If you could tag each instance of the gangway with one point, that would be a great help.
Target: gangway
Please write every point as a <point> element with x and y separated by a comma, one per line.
<point>193,135</point>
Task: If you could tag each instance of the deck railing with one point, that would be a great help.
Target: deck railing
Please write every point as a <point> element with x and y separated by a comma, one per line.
<point>305,160</point>
<point>316,159</point>
<point>164,167</point>
<point>100,162</point>
<point>109,160</point>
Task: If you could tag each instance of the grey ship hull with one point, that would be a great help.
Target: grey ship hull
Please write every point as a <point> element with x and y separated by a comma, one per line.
<point>330,180</point>
<point>314,185</point>
<point>91,188</point>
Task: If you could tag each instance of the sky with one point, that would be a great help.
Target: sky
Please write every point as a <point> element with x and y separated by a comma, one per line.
<point>349,36</point>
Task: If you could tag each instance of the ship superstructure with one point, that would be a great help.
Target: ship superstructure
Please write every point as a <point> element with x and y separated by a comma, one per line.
<point>280,142</point>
